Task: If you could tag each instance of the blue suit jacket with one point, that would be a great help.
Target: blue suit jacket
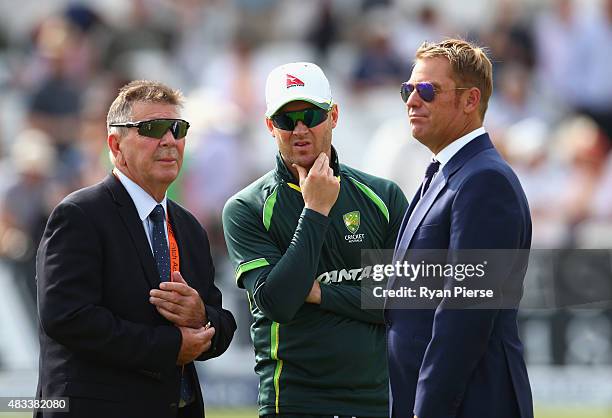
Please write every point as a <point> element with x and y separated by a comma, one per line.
<point>463,363</point>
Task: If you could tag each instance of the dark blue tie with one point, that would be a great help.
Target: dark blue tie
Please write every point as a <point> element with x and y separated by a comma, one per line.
<point>160,245</point>
<point>432,169</point>
<point>162,258</point>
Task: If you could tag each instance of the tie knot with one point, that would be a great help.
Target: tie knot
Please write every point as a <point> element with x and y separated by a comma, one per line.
<point>432,168</point>
<point>157,214</point>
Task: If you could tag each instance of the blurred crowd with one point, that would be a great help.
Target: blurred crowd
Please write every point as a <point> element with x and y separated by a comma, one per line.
<point>550,113</point>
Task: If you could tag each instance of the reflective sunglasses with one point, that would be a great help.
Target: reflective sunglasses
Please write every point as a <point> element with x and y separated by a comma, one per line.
<point>310,117</point>
<point>156,128</point>
<point>426,90</point>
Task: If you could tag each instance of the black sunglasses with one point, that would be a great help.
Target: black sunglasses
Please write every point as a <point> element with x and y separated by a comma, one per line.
<point>156,128</point>
<point>310,117</point>
<point>426,90</point>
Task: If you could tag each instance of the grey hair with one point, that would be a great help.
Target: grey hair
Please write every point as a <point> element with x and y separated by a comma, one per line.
<point>139,91</point>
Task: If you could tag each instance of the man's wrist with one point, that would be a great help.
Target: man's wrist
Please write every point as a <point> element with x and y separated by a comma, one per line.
<point>319,210</point>
<point>318,295</point>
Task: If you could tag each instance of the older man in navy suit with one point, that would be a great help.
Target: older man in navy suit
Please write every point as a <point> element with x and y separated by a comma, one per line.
<point>460,363</point>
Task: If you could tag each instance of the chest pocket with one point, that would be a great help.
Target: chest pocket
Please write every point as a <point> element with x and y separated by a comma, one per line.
<point>430,236</point>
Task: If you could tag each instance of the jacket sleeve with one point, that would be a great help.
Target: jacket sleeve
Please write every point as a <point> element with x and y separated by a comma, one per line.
<point>70,284</point>
<point>487,213</point>
<point>277,282</point>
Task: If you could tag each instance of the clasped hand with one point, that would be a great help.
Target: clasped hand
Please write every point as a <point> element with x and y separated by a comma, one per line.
<point>179,303</point>
<point>182,305</point>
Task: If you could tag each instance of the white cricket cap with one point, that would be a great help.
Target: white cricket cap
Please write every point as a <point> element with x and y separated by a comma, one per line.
<point>303,81</point>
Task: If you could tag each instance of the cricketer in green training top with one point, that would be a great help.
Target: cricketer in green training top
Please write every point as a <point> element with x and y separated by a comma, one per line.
<point>295,238</point>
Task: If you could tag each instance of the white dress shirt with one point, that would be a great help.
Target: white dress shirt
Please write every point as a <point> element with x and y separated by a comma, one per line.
<point>144,203</point>
<point>445,155</point>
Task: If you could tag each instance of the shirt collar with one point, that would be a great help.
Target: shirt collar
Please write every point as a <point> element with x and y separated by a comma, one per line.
<point>143,201</point>
<point>445,155</point>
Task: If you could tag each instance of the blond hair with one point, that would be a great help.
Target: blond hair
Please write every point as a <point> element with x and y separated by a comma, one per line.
<point>145,91</point>
<point>469,63</point>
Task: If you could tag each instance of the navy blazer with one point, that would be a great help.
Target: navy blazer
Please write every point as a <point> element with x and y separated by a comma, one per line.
<point>463,363</point>
<point>102,343</point>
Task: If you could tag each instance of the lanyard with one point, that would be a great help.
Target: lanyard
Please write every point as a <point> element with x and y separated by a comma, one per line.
<point>174,252</point>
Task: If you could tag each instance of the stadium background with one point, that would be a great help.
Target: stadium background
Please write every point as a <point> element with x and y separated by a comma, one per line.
<point>62,61</point>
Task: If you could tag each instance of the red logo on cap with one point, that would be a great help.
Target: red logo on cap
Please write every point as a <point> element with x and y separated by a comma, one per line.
<point>293,81</point>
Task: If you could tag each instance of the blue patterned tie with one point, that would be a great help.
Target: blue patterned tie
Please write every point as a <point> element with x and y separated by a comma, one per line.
<point>160,245</point>
<point>162,258</point>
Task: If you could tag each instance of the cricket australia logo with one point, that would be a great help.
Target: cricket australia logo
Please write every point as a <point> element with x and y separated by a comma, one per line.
<point>352,221</point>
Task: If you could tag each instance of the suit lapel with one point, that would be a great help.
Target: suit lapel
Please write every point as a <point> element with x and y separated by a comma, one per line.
<point>133,224</point>
<point>417,212</point>
<point>420,210</point>
<point>414,215</point>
